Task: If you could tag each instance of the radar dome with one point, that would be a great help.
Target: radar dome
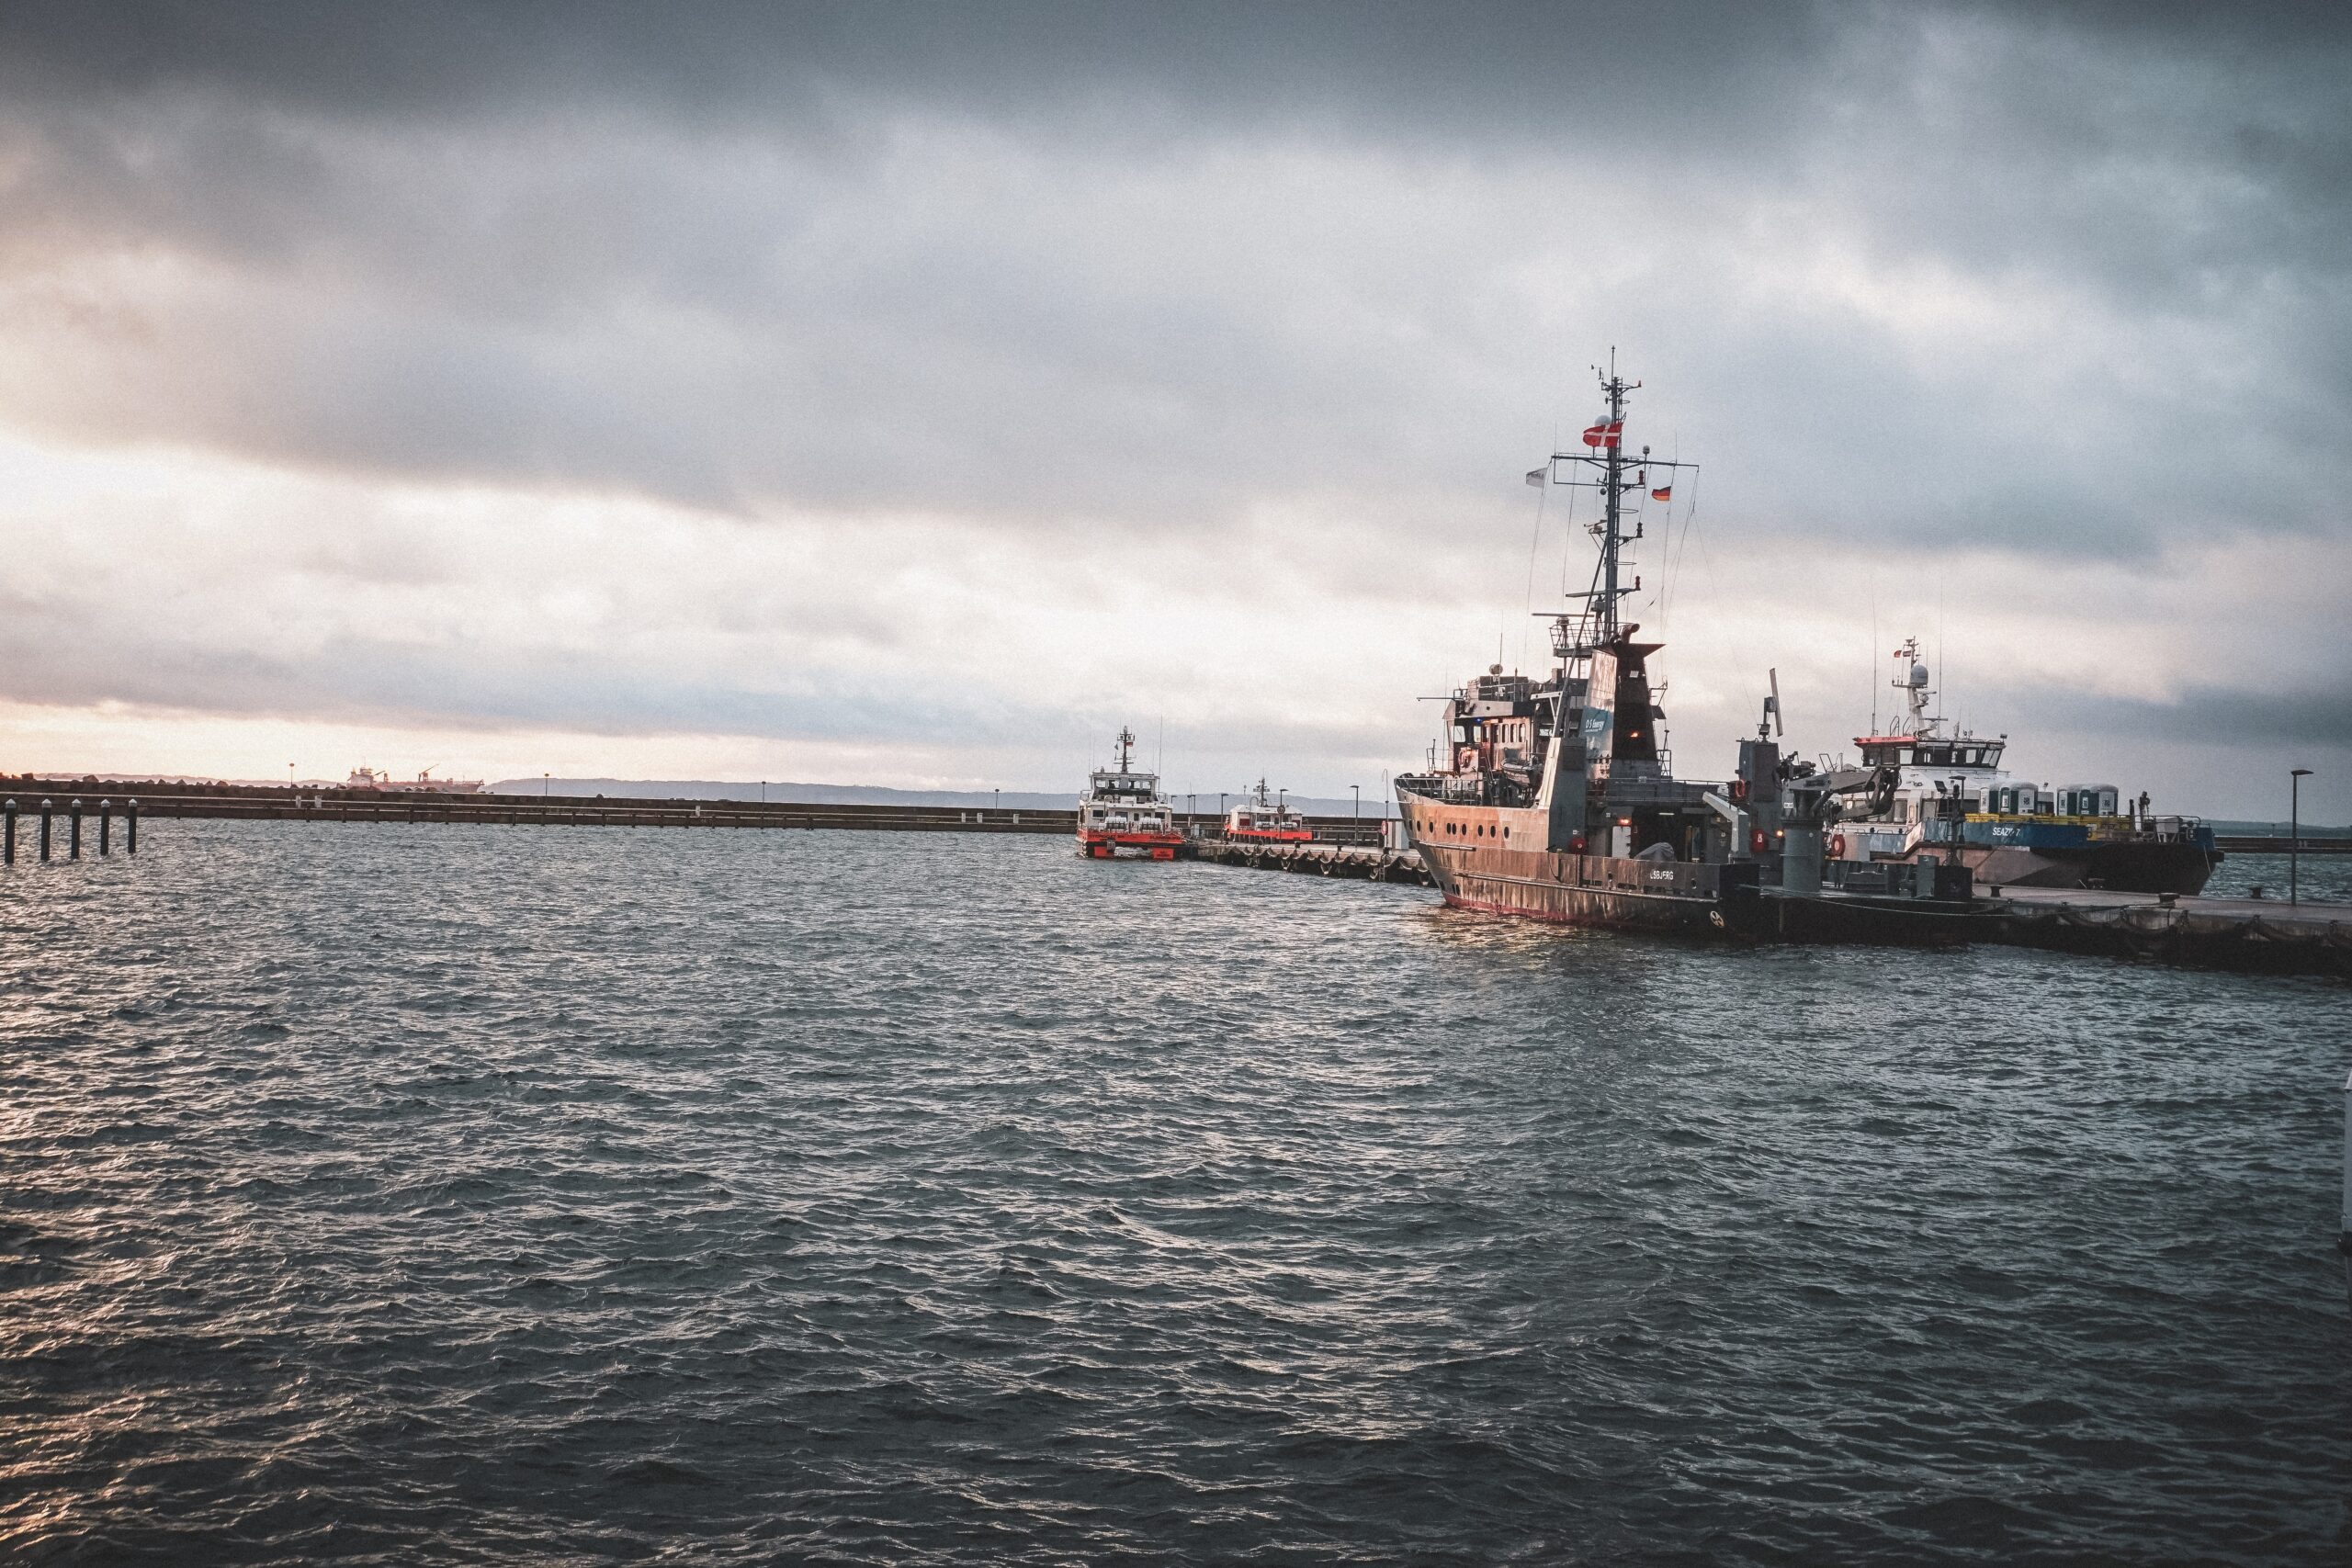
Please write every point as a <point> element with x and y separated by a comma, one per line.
<point>1919,674</point>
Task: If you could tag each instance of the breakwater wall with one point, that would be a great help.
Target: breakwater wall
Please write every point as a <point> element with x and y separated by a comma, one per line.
<point>264,802</point>
<point>2242,844</point>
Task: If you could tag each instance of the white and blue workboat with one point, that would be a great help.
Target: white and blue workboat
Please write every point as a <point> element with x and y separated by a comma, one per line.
<point>1923,794</point>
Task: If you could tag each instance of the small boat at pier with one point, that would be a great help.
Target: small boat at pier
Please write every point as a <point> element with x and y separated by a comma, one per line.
<point>1266,819</point>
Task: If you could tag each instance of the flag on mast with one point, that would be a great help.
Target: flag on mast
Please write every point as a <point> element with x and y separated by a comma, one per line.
<point>1663,492</point>
<point>1605,432</point>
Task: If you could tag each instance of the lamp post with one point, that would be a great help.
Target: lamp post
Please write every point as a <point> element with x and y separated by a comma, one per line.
<point>546,785</point>
<point>1355,810</point>
<point>2295,777</point>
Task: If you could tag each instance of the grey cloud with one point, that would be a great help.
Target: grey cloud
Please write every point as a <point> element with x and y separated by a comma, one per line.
<point>687,252</point>
<point>1107,273</point>
<point>2211,715</point>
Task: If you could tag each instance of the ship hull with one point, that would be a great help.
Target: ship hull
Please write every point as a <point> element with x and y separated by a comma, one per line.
<point>2165,866</point>
<point>1463,846</point>
<point>2121,868</point>
<point>1494,890</point>
<point>1129,846</point>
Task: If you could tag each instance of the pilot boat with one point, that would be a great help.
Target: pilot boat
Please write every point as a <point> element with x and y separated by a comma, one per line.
<point>1260,820</point>
<point>1121,814</point>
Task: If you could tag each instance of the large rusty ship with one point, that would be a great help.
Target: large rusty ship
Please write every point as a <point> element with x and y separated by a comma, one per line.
<point>1551,798</point>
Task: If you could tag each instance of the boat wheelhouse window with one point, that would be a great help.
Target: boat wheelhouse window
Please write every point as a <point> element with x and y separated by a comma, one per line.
<point>1935,756</point>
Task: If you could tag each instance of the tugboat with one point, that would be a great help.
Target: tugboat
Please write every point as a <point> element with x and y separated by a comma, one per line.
<point>1121,814</point>
<point>1267,821</point>
<point>1554,800</point>
<point>1925,791</point>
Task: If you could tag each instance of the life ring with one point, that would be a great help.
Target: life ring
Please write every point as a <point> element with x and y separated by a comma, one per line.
<point>1836,846</point>
<point>1739,790</point>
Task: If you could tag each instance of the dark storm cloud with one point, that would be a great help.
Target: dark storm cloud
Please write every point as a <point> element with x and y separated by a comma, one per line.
<point>1154,67</point>
<point>2212,716</point>
<point>1027,264</point>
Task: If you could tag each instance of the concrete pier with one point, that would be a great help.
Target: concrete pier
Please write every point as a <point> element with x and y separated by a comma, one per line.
<point>2265,935</point>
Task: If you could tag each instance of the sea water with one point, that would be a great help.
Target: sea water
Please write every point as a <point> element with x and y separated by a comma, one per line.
<point>425,1194</point>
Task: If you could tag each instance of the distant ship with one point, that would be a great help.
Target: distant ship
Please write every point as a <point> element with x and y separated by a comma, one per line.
<point>423,783</point>
<point>1922,791</point>
<point>1121,814</point>
<point>1264,820</point>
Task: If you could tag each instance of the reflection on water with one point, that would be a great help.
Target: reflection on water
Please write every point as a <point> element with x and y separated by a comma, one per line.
<point>454,1194</point>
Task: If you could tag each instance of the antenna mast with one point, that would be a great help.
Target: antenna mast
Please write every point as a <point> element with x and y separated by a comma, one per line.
<point>1575,635</point>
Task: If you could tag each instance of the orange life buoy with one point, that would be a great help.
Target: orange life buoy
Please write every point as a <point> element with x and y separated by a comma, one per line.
<point>1739,790</point>
<point>1836,846</point>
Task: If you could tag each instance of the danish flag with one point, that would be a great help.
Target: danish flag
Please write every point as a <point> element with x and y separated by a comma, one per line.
<point>1605,432</point>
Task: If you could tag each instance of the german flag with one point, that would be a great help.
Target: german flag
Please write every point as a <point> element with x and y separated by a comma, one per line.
<point>1663,492</point>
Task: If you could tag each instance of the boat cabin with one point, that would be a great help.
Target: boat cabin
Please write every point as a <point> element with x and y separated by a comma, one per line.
<point>1930,751</point>
<point>1124,803</point>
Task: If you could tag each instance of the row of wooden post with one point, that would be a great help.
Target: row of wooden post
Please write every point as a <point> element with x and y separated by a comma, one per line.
<point>73,828</point>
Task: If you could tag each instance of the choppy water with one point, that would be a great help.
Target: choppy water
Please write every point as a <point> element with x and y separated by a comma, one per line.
<point>470,1195</point>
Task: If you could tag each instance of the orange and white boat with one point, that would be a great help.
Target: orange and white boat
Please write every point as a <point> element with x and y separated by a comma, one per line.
<point>1121,814</point>
<point>1264,820</point>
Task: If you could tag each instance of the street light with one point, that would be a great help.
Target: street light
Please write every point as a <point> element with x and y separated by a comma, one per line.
<point>546,785</point>
<point>1355,811</point>
<point>2295,777</point>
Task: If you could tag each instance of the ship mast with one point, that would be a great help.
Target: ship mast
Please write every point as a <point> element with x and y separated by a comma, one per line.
<point>1576,635</point>
<point>1613,514</point>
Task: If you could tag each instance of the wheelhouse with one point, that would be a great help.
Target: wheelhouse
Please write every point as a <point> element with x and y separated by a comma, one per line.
<point>1930,751</point>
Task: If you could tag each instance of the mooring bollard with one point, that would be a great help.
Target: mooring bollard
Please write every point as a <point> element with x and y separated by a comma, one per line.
<point>73,828</point>
<point>130,827</point>
<point>106,829</point>
<point>46,807</point>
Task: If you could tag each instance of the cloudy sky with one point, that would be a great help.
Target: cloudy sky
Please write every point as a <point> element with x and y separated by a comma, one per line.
<point>913,395</point>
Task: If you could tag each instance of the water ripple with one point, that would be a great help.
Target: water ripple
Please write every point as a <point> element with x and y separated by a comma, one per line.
<point>479,1195</point>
